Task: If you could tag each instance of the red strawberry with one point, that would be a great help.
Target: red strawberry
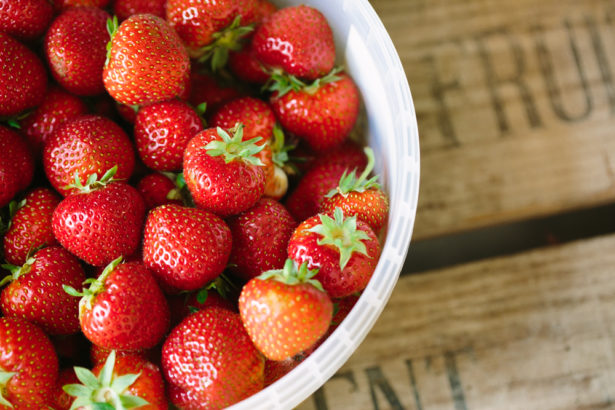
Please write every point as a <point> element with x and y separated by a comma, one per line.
<point>61,400</point>
<point>185,247</point>
<point>57,108</point>
<point>285,311</point>
<point>16,165</point>
<point>297,40</point>
<point>323,114</point>
<point>28,365</point>
<point>35,292</point>
<point>23,79</point>
<point>209,361</point>
<point>254,114</point>
<point>245,65</point>
<point>75,46</point>
<point>321,178</point>
<point>276,369</point>
<point>207,89</point>
<point>63,4</point>
<point>126,8</point>
<point>123,308</point>
<point>86,145</point>
<point>30,226</point>
<point>127,112</point>
<point>157,189</point>
<point>359,196</point>
<point>162,132</point>
<point>209,29</point>
<point>101,223</point>
<point>122,382</point>
<point>222,173</point>
<point>260,238</point>
<point>25,19</point>
<point>185,304</point>
<point>344,249</point>
<point>98,354</point>
<point>147,62</point>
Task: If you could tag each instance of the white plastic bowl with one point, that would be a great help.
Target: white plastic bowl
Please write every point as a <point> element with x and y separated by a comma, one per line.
<point>369,56</point>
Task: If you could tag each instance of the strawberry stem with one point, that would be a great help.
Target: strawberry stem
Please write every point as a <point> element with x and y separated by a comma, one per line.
<point>96,285</point>
<point>350,183</point>
<point>234,147</point>
<point>225,40</point>
<point>290,274</point>
<point>17,271</point>
<point>112,26</point>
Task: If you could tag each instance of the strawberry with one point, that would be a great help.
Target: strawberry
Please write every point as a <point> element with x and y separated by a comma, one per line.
<point>185,304</point>
<point>297,40</point>
<point>127,112</point>
<point>61,400</point>
<point>162,132</point>
<point>146,63</point>
<point>16,165</point>
<point>222,172</point>
<point>102,222</point>
<point>359,196</point>
<point>57,108</point>
<point>157,189</point>
<point>209,361</point>
<point>100,354</point>
<point>246,67</point>
<point>210,29</point>
<point>207,89</point>
<point>260,238</point>
<point>122,382</point>
<point>35,291</point>
<point>276,369</point>
<point>344,249</point>
<point>64,4</point>
<point>23,79</point>
<point>321,178</point>
<point>25,19</point>
<point>28,365</point>
<point>254,114</point>
<point>285,311</point>
<point>75,47</point>
<point>185,247</point>
<point>123,308</point>
<point>86,145</point>
<point>30,226</point>
<point>322,113</point>
<point>126,8</point>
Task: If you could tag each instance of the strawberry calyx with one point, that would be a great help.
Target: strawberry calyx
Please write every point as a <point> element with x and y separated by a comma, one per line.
<point>107,391</point>
<point>223,41</point>
<point>96,286</point>
<point>112,26</point>
<point>14,122</point>
<point>93,183</point>
<point>290,274</point>
<point>17,271</point>
<point>234,148</point>
<point>13,207</point>
<point>341,233</point>
<point>4,380</point>
<point>283,83</point>
<point>349,182</point>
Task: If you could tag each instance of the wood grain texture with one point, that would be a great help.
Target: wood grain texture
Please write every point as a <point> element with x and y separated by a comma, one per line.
<point>530,331</point>
<point>515,101</point>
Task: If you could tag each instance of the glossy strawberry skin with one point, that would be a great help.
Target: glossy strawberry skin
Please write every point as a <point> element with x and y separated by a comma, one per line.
<point>126,8</point>
<point>86,145</point>
<point>260,238</point>
<point>98,354</point>
<point>23,80</point>
<point>130,313</point>
<point>154,188</point>
<point>185,247</point>
<point>371,206</point>
<point>38,296</point>
<point>26,350</point>
<point>31,226</point>
<point>64,4</point>
<point>58,107</point>
<point>338,283</point>
<point>219,187</point>
<point>159,64</point>
<point>162,132</point>
<point>16,165</point>
<point>75,47</point>
<point>101,225</point>
<point>295,318</point>
<point>253,113</point>
<point>25,19</point>
<point>323,119</point>
<point>210,362</point>
<point>298,40</point>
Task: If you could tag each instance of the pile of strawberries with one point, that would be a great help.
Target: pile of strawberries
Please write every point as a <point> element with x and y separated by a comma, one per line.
<point>180,200</point>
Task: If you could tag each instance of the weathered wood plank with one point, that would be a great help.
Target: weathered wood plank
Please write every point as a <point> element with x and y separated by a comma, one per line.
<point>530,331</point>
<point>516,104</point>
